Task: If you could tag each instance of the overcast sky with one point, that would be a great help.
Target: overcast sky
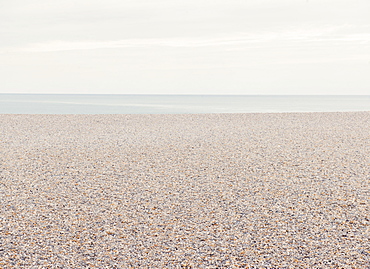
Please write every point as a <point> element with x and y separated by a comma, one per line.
<point>185,47</point>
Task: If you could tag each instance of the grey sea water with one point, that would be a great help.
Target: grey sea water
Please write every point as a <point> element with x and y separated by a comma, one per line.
<point>175,104</point>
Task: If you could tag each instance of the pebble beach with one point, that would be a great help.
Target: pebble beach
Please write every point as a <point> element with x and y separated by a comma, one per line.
<point>264,190</point>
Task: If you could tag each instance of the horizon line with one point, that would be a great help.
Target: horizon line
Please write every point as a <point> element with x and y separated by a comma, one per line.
<point>183,94</point>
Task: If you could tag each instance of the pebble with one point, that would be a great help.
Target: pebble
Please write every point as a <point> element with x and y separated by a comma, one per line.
<point>279,190</point>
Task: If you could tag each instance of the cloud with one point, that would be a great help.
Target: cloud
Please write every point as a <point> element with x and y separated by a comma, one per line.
<point>292,36</point>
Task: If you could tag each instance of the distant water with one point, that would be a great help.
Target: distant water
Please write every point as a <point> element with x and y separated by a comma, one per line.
<point>175,104</point>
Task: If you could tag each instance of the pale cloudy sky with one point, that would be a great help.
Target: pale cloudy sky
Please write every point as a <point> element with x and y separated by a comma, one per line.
<point>185,47</point>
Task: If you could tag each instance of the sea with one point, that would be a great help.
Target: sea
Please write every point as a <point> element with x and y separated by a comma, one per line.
<point>177,104</point>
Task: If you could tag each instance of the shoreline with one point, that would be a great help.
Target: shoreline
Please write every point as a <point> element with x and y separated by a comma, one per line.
<point>190,114</point>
